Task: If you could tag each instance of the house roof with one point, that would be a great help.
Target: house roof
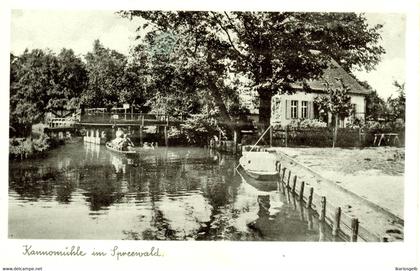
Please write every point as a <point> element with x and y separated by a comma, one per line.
<point>330,75</point>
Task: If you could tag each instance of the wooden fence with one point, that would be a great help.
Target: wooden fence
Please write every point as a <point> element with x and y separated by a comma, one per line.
<point>323,137</point>
<point>342,225</point>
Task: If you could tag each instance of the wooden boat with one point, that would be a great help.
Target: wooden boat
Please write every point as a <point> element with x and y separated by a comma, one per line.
<point>260,165</point>
<point>111,147</point>
<point>261,186</point>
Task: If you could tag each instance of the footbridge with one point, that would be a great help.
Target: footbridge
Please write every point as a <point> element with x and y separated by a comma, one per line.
<point>98,123</point>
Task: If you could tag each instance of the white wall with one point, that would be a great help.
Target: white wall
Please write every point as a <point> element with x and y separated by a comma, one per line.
<point>279,115</point>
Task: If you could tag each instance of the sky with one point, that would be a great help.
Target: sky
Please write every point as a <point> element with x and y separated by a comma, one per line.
<point>77,30</point>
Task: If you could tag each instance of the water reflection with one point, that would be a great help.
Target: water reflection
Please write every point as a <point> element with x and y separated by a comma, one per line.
<point>162,194</point>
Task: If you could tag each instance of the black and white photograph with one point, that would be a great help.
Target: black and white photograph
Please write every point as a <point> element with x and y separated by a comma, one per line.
<point>233,127</point>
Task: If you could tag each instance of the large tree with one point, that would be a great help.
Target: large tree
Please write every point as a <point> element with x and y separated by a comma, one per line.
<point>337,102</point>
<point>376,107</point>
<point>396,106</point>
<point>271,49</point>
<point>189,63</point>
<point>106,72</point>
<point>33,75</point>
<point>42,82</point>
<point>64,97</point>
<point>114,79</point>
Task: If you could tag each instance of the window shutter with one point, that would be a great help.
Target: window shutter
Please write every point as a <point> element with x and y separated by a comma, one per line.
<point>287,109</point>
<point>310,110</point>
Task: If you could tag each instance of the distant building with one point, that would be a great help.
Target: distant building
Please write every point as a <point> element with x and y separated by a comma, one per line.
<point>286,108</point>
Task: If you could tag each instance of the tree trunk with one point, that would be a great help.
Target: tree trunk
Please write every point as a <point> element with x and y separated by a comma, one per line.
<point>335,130</point>
<point>265,108</point>
<point>226,120</point>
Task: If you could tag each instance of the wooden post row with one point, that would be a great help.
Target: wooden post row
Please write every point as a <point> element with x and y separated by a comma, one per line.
<point>302,187</point>
<point>294,184</point>
<point>282,176</point>
<point>311,194</point>
<point>337,219</point>
<point>354,229</point>
<point>323,208</point>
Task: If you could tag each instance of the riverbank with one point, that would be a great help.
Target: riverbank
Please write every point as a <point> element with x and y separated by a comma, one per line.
<point>368,183</point>
<point>376,174</point>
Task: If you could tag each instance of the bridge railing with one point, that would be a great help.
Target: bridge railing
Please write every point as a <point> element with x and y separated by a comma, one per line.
<point>61,122</point>
<point>140,118</point>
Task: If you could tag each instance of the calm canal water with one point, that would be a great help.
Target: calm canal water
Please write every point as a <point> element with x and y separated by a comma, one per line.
<point>83,191</point>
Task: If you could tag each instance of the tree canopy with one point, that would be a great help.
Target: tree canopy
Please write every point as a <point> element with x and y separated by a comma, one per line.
<point>269,49</point>
<point>42,82</point>
<point>194,63</point>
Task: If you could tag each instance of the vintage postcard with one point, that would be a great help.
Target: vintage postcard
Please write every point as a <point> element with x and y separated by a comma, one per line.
<point>197,135</point>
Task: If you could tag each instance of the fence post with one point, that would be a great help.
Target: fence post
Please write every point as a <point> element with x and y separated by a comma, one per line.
<point>235,141</point>
<point>166,135</point>
<point>354,229</point>
<point>311,194</point>
<point>288,180</point>
<point>282,176</point>
<point>337,219</point>
<point>271,136</point>
<point>302,187</point>
<point>323,208</point>
<point>294,184</point>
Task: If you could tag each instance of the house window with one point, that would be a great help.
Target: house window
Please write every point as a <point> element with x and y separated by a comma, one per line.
<point>304,108</point>
<point>294,109</point>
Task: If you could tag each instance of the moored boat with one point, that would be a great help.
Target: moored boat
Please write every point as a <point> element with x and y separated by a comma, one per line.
<point>260,165</point>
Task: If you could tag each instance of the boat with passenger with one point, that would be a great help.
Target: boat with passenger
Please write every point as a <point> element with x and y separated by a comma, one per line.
<point>121,144</point>
<point>110,146</point>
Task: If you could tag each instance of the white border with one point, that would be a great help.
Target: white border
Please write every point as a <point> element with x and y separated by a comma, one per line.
<point>232,255</point>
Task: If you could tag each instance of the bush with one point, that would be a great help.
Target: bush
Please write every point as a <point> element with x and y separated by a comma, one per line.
<point>23,148</point>
<point>307,123</point>
<point>315,137</point>
<point>198,128</point>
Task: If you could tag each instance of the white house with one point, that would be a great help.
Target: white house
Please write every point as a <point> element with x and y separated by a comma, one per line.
<point>300,105</point>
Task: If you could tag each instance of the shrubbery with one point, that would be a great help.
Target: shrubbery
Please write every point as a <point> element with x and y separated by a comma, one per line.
<point>22,148</point>
<point>307,123</point>
<point>198,128</point>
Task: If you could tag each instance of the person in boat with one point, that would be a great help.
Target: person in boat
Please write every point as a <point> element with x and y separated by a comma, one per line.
<point>127,142</point>
<point>122,141</point>
<point>147,145</point>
